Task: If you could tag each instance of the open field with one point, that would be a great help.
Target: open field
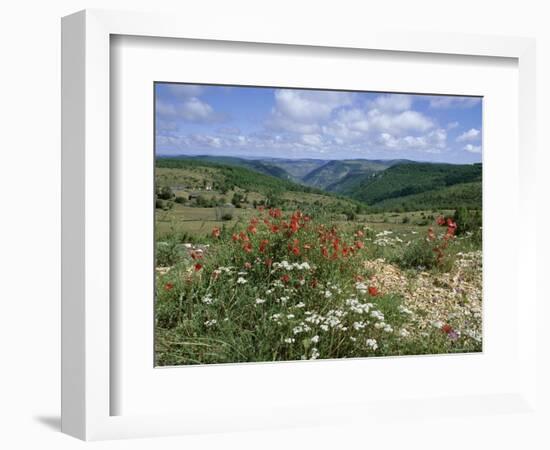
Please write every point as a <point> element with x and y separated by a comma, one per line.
<point>262,269</point>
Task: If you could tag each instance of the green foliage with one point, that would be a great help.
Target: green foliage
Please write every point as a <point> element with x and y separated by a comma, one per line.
<point>165,193</point>
<point>418,254</point>
<point>467,221</point>
<point>407,179</point>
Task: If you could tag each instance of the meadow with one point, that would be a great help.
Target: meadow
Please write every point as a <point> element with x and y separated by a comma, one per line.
<point>252,267</point>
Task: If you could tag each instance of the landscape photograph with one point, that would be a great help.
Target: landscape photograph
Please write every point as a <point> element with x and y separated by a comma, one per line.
<point>307,224</point>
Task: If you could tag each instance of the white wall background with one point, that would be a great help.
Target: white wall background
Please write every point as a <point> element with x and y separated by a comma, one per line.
<point>30,198</point>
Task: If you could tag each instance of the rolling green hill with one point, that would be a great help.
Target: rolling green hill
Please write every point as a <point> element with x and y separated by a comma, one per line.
<point>380,184</point>
<point>467,195</point>
<point>335,175</point>
<point>408,179</point>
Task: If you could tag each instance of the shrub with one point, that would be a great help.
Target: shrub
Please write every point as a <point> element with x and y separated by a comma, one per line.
<point>467,221</point>
<point>165,193</point>
<point>227,216</point>
<point>181,200</point>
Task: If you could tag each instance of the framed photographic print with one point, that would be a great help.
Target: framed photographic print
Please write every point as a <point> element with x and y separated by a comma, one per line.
<point>268,229</point>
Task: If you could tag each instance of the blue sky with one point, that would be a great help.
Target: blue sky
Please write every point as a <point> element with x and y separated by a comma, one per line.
<point>298,123</point>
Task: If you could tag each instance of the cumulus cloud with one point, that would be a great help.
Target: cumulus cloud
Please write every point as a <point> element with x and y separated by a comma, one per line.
<point>191,109</point>
<point>446,102</point>
<point>433,142</point>
<point>473,134</point>
<point>452,125</point>
<point>472,148</point>
<point>302,111</point>
<point>392,102</point>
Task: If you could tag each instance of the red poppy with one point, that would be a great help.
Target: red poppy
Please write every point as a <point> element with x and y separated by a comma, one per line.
<point>247,265</point>
<point>373,291</point>
<point>324,251</point>
<point>198,267</point>
<point>235,237</point>
<point>168,286</point>
<point>285,278</point>
<point>296,250</point>
<point>275,213</point>
<point>216,232</point>
<point>294,226</point>
<point>359,233</point>
<point>431,235</point>
<point>359,244</point>
<point>446,328</point>
<point>441,220</point>
<point>243,236</point>
<point>263,245</point>
<point>247,247</point>
<point>274,229</point>
<point>252,229</point>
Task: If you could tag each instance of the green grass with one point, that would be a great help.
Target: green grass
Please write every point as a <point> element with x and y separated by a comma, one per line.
<point>211,314</point>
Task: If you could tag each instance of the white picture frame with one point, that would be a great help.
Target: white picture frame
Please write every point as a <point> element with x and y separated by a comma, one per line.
<point>87,386</point>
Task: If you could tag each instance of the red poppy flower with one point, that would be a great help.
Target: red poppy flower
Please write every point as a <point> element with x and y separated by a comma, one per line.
<point>294,226</point>
<point>359,233</point>
<point>441,220</point>
<point>252,229</point>
<point>285,278</point>
<point>275,213</point>
<point>216,232</point>
<point>247,265</point>
<point>446,328</point>
<point>235,237</point>
<point>198,267</point>
<point>324,251</point>
<point>359,244</point>
<point>263,245</point>
<point>373,291</point>
<point>247,247</point>
<point>296,250</point>
<point>168,286</point>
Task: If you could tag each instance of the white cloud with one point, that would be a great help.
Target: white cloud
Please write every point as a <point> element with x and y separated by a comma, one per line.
<point>302,111</point>
<point>452,125</point>
<point>473,134</point>
<point>190,109</point>
<point>445,102</point>
<point>392,102</point>
<point>432,142</point>
<point>472,148</point>
<point>399,123</point>
<point>312,139</point>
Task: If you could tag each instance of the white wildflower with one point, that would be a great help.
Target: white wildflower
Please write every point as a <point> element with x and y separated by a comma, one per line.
<point>259,301</point>
<point>314,353</point>
<point>372,344</point>
<point>315,339</point>
<point>211,323</point>
<point>290,340</point>
<point>241,280</point>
